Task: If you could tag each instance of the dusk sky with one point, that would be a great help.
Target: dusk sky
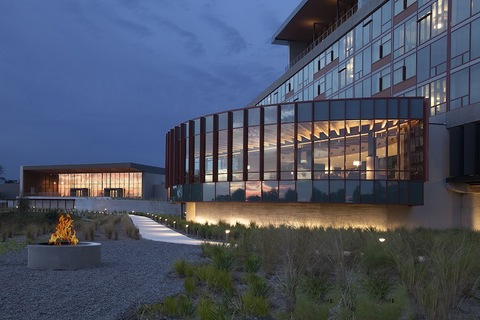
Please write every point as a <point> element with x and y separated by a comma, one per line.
<point>99,81</point>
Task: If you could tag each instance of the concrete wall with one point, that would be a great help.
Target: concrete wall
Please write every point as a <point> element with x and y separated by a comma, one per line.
<point>471,211</point>
<point>299,214</point>
<point>441,207</point>
<point>100,204</point>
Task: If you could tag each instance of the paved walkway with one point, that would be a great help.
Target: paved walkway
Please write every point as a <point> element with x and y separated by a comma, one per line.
<point>155,231</point>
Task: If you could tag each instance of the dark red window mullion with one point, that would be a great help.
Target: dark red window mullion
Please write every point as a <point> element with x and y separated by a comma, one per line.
<point>262,132</point>
<point>229,146</point>
<point>171,157</point>
<point>202,150</point>
<point>245,145</point>
<point>295,142</point>
<point>191,145</point>
<point>425,136</point>
<point>215,148</point>
<point>177,154</point>
<point>409,167</point>
<point>183,148</point>
<point>168,181</point>
<point>279,136</point>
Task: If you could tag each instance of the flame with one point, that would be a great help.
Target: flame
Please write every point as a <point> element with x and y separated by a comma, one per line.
<point>64,232</point>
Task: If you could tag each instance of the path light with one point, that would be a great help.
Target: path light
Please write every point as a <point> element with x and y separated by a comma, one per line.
<point>174,224</point>
<point>186,228</point>
<point>381,239</point>
<point>226,234</point>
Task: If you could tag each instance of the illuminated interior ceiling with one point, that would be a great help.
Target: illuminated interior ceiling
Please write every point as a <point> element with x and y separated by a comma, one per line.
<point>299,26</point>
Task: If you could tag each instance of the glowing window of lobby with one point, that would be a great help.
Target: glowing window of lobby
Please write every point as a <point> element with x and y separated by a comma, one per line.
<point>114,184</point>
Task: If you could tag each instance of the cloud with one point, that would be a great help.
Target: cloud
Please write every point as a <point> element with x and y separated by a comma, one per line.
<point>231,38</point>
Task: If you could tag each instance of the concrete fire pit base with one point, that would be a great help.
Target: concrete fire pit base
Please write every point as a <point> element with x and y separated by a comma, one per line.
<point>65,257</point>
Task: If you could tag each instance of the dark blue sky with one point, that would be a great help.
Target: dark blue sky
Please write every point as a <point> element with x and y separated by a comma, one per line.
<point>90,81</point>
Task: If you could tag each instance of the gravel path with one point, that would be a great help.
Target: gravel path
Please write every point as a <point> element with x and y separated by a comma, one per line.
<point>132,272</point>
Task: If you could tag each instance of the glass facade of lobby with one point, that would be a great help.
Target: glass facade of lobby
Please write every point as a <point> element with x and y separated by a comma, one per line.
<point>110,184</point>
<point>340,151</point>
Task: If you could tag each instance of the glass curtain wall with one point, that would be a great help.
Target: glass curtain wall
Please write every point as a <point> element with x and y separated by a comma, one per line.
<point>346,151</point>
<point>123,184</point>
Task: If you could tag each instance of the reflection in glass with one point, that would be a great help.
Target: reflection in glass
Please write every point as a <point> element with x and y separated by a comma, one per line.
<point>253,191</point>
<point>286,191</point>
<point>270,191</point>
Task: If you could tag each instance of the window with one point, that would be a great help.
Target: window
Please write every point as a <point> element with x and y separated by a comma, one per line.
<point>404,37</point>
<point>439,17</point>
<point>400,5</point>
<point>382,48</point>
<point>424,25</point>
<point>459,89</point>
<point>381,81</point>
<point>404,69</point>
<point>460,10</point>
<point>438,57</point>
<point>423,66</point>
<point>460,46</point>
<point>475,49</point>
<point>475,83</point>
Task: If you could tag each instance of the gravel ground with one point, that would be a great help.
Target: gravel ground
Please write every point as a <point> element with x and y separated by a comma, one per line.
<point>132,272</point>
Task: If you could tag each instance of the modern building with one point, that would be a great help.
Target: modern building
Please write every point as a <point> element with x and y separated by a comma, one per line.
<point>374,123</point>
<point>114,180</point>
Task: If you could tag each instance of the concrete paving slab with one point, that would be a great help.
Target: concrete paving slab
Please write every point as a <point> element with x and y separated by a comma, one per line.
<point>155,231</point>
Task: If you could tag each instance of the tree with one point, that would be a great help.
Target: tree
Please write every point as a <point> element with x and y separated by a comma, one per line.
<point>1,173</point>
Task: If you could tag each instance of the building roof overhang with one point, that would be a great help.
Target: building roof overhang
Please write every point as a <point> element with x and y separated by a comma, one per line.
<point>94,168</point>
<point>309,14</point>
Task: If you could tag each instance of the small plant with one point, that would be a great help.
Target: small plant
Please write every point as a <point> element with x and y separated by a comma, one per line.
<point>224,258</point>
<point>257,286</point>
<point>88,231</point>
<point>253,263</point>
<point>307,308</point>
<point>190,285</point>
<point>255,305</point>
<point>31,233</point>
<point>109,230</point>
<point>218,280</point>
<point>183,268</point>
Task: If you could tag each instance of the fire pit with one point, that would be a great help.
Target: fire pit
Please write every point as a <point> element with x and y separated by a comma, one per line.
<point>64,251</point>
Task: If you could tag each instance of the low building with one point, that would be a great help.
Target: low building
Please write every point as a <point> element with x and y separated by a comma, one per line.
<point>90,187</point>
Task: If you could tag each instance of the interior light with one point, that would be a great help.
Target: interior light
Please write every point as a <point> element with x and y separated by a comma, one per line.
<point>357,163</point>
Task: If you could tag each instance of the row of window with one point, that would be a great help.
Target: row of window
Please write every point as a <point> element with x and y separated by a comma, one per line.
<point>333,191</point>
<point>96,183</point>
<point>364,139</point>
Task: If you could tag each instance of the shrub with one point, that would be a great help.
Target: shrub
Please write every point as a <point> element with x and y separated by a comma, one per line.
<point>218,280</point>
<point>31,232</point>
<point>253,263</point>
<point>255,305</point>
<point>109,230</point>
<point>257,286</point>
<point>190,285</point>
<point>183,268</point>
<point>308,309</point>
